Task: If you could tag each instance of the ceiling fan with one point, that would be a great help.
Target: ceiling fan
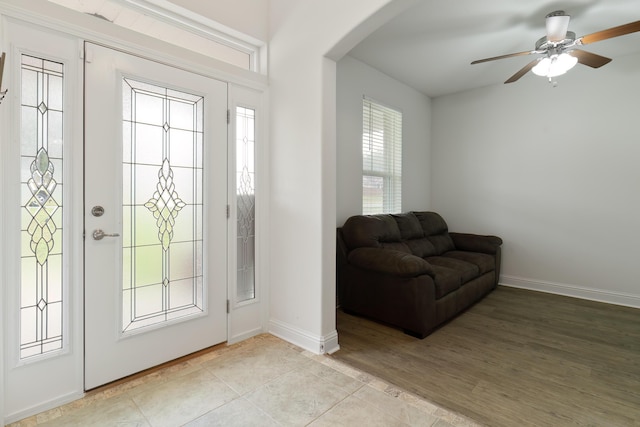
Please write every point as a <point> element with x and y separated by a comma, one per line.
<point>558,49</point>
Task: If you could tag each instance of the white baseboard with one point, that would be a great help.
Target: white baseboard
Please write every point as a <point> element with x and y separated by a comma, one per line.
<point>54,403</point>
<point>314,343</point>
<point>600,295</point>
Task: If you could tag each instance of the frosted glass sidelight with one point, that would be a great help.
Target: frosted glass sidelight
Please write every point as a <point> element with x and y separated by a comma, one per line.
<point>246,208</point>
<point>41,283</point>
<point>162,204</point>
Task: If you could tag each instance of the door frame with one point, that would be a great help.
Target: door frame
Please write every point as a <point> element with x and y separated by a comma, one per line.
<point>81,27</point>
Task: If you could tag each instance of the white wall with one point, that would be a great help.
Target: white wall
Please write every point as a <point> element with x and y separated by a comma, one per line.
<point>355,79</point>
<point>304,34</point>
<point>554,171</point>
<point>247,16</point>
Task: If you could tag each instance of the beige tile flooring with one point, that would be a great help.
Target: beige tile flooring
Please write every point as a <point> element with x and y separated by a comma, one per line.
<point>263,381</point>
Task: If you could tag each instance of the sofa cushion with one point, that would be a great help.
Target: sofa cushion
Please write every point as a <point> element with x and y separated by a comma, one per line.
<point>422,247</point>
<point>390,262</point>
<point>446,280</point>
<point>431,223</point>
<point>436,231</point>
<point>409,226</point>
<point>442,243</point>
<point>484,262</point>
<point>396,246</point>
<point>466,270</point>
<point>371,231</point>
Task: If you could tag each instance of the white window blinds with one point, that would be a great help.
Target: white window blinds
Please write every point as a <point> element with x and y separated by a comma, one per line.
<point>381,158</point>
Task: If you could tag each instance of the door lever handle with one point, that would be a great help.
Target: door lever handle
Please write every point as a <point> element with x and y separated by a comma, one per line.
<point>99,234</point>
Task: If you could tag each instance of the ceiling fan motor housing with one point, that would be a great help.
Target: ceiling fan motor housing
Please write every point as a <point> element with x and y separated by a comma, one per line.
<point>543,43</point>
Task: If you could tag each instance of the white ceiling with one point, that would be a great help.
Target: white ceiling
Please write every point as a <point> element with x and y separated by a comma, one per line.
<point>431,45</point>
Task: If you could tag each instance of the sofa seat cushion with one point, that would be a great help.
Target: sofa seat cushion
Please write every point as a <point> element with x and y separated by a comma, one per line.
<point>466,270</point>
<point>484,262</point>
<point>446,280</point>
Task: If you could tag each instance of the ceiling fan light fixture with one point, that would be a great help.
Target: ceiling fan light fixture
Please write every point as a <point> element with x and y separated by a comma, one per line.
<point>555,65</point>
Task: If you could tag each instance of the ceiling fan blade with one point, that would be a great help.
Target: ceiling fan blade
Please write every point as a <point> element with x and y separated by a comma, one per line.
<point>524,70</point>
<point>509,55</point>
<point>557,24</point>
<point>620,30</point>
<point>590,59</point>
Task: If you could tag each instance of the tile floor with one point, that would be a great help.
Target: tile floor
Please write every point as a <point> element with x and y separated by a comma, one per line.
<point>263,381</point>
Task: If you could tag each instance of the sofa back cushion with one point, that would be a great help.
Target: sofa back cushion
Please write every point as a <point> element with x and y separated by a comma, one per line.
<point>373,231</point>
<point>436,232</point>
<point>422,247</point>
<point>409,226</point>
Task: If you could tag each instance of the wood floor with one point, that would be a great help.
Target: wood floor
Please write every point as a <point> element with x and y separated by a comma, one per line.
<point>517,358</point>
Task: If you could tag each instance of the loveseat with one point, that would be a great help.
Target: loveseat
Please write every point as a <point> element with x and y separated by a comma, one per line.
<point>409,271</point>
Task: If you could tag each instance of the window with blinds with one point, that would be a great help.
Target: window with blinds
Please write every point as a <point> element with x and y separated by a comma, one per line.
<point>381,158</point>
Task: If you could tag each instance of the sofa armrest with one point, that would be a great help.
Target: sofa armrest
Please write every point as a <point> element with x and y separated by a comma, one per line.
<point>390,261</point>
<point>476,243</point>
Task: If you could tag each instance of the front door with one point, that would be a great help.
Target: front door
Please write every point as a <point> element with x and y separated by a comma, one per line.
<point>154,212</point>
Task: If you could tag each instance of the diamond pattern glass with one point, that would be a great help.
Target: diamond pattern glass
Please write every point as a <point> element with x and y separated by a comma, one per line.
<point>41,302</point>
<point>162,205</point>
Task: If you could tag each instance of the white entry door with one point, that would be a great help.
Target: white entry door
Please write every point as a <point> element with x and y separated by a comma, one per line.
<point>155,213</point>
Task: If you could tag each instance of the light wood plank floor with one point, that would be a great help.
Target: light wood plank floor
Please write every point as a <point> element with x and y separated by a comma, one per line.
<point>517,358</point>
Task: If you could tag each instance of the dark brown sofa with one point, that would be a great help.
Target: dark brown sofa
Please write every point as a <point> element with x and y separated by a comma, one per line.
<point>407,270</point>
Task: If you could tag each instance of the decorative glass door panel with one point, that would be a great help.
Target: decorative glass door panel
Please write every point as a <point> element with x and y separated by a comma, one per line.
<point>41,311</point>
<point>162,204</point>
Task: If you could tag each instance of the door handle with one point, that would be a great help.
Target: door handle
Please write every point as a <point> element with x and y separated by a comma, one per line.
<point>99,234</point>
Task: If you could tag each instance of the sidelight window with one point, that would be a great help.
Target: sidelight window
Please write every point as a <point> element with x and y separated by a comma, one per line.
<point>246,203</point>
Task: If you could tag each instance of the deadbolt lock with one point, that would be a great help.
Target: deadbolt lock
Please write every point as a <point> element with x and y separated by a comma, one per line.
<point>97,211</point>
